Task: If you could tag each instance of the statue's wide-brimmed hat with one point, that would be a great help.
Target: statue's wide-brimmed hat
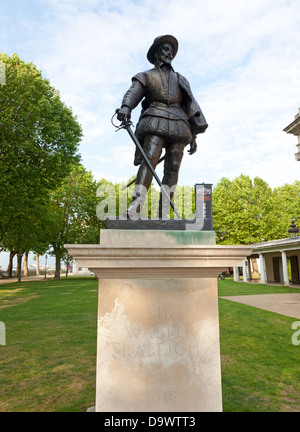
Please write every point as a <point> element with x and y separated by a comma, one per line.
<point>160,40</point>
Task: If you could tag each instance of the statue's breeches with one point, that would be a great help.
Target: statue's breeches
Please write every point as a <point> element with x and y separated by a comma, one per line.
<point>175,131</point>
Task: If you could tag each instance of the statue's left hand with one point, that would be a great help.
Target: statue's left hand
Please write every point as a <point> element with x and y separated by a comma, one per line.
<point>193,147</point>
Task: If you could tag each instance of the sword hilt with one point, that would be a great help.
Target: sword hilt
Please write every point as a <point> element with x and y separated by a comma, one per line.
<point>124,122</point>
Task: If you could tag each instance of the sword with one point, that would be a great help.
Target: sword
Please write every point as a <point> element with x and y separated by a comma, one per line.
<point>127,125</point>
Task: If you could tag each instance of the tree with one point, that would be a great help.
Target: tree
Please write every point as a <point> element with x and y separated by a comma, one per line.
<point>287,199</point>
<point>73,212</point>
<point>244,211</point>
<point>39,137</point>
<point>29,232</point>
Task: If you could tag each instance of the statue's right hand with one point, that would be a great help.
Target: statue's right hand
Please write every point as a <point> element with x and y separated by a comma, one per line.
<point>124,113</point>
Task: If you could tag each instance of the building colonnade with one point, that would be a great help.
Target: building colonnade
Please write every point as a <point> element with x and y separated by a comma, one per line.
<point>279,263</point>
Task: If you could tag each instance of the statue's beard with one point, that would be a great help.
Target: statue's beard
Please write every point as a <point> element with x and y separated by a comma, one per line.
<point>164,59</point>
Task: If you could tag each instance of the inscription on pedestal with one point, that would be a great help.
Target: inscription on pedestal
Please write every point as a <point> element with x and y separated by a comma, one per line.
<point>155,347</point>
<point>162,336</point>
<point>167,337</point>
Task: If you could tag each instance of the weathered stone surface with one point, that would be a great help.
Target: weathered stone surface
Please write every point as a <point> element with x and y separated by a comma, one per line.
<point>158,346</point>
<point>148,238</point>
<point>158,329</point>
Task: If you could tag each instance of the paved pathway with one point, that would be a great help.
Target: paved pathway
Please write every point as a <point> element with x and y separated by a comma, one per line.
<point>284,304</point>
<point>24,279</point>
<point>27,278</point>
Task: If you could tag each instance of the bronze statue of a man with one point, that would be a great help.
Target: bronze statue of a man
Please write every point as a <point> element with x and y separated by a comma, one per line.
<point>170,118</point>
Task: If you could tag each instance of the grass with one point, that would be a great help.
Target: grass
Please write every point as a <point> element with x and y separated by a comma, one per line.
<point>48,363</point>
<point>228,287</point>
<point>260,365</point>
<point>49,360</point>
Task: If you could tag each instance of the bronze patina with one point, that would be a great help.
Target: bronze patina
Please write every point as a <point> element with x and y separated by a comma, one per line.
<point>170,119</point>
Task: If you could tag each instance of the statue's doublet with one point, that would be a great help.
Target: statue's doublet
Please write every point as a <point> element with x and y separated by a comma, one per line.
<point>168,108</point>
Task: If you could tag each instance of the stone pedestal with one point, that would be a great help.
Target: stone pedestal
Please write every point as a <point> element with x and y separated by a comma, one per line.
<point>158,328</point>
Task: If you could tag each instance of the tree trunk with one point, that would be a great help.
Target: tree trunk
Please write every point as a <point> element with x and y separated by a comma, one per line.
<point>19,268</point>
<point>10,263</point>
<point>37,260</point>
<point>67,269</point>
<point>25,264</point>
<point>57,266</point>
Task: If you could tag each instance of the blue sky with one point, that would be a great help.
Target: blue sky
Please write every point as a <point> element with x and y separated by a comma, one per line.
<point>242,59</point>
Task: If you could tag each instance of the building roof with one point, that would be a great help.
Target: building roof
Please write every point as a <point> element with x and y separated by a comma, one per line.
<point>294,128</point>
<point>276,245</point>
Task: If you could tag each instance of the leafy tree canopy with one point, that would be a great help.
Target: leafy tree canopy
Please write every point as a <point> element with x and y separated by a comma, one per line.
<point>73,212</point>
<point>248,211</point>
<point>39,138</point>
<point>39,134</point>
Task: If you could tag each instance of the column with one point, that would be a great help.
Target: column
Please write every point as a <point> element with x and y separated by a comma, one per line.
<point>263,275</point>
<point>286,280</point>
<point>244,271</point>
<point>74,268</point>
<point>249,268</point>
<point>236,275</point>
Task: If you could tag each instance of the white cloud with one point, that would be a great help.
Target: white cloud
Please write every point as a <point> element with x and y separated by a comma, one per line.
<point>242,60</point>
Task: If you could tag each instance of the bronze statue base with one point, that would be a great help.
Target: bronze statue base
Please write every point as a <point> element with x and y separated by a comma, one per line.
<point>159,224</point>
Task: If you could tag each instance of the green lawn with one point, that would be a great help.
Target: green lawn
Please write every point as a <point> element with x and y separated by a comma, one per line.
<point>48,363</point>
<point>260,365</point>
<point>49,360</point>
